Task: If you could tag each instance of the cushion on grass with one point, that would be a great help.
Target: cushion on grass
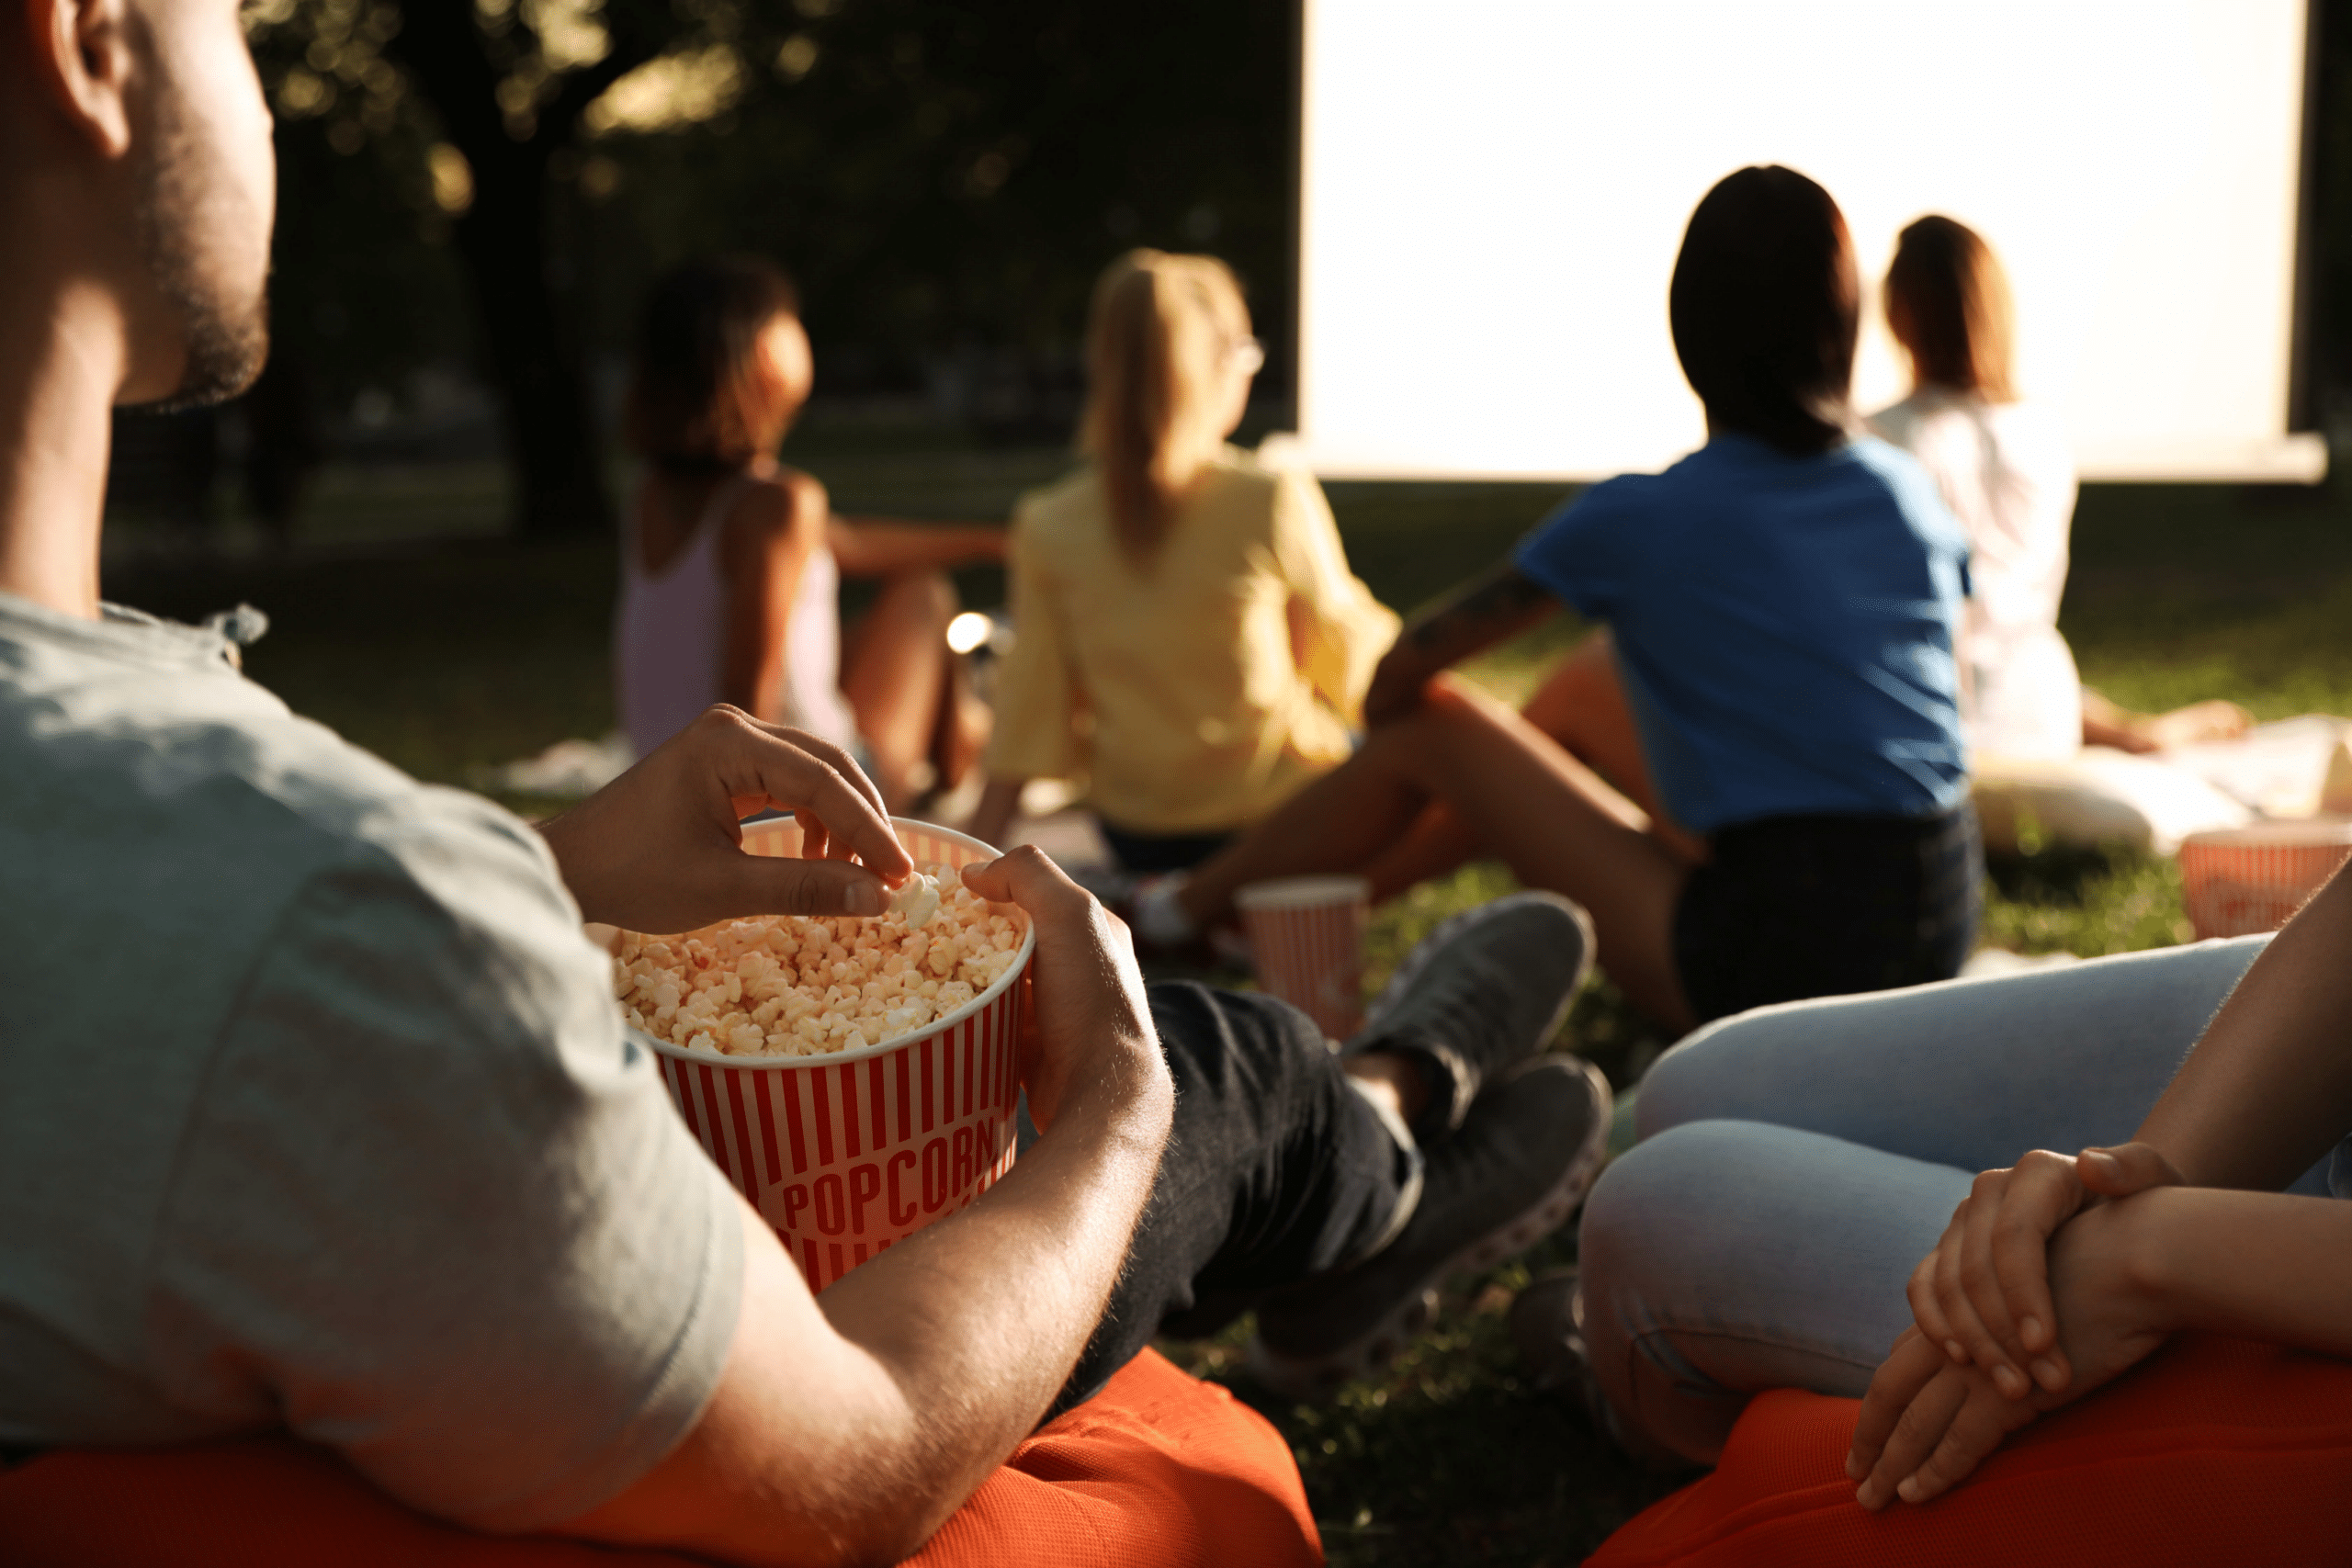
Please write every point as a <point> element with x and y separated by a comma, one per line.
<point>1158,1469</point>
<point>2216,1451</point>
<point>2098,799</point>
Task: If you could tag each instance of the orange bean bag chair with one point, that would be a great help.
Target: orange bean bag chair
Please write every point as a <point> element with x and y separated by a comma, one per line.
<point>2215,1451</point>
<point>1156,1470</point>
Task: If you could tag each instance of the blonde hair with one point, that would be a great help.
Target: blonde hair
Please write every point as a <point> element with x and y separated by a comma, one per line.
<point>1948,304</point>
<point>1163,331</point>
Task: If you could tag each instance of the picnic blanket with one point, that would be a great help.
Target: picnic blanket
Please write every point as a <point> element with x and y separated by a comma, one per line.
<point>1158,1471</point>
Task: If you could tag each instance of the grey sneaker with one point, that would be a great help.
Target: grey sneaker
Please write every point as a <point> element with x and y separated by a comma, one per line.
<point>1523,1160</point>
<point>1483,989</point>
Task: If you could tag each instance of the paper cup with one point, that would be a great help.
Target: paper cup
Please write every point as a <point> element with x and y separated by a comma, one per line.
<point>2240,881</point>
<point>1306,938</point>
<point>846,1154</point>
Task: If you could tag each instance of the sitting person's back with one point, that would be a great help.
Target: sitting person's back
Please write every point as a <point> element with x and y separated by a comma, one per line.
<point>1188,634</point>
<point>1204,711</point>
<point>1780,623</point>
<point>731,563</point>
<point>2003,467</point>
<point>304,943</point>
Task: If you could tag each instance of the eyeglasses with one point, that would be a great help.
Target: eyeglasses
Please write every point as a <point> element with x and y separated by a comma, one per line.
<point>1246,358</point>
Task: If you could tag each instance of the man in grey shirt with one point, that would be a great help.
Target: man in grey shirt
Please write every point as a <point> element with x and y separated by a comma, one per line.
<point>318,1112</point>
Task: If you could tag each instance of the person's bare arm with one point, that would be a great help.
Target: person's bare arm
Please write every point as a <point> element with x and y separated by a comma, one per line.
<point>877,546</point>
<point>2107,723</point>
<point>2268,1089</point>
<point>769,536</point>
<point>1498,604</point>
<point>1000,803</point>
<point>2265,1094</point>
<point>2258,1265</point>
<point>847,1428</point>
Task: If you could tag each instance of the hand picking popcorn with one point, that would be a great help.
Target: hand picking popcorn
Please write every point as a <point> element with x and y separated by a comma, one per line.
<point>784,986</point>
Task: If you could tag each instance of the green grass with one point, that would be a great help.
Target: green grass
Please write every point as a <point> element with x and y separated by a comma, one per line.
<point>440,656</point>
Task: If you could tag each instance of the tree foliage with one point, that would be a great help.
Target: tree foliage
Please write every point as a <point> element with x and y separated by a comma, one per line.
<point>941,177</point>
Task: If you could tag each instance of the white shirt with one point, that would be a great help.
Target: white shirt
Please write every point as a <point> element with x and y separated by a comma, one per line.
<point>2005,472</point>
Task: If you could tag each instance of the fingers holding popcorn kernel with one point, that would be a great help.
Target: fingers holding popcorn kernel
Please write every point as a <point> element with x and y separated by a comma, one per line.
<point>661,847</point>
<point>767,767</point>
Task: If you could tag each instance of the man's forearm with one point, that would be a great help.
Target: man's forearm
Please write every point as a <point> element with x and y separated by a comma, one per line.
<point>999,1300</point>
<point>2268,1089</point>
<point>847,1429</point>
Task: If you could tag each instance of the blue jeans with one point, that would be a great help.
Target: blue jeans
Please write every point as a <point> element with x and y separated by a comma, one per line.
<point>1796,1162</point>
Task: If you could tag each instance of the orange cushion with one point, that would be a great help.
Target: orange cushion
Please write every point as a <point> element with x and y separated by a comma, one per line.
<point>1156,1469</point>
<point>2215,1451</point>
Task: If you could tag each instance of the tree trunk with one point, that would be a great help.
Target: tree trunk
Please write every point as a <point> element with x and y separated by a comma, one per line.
<point>551,438</point>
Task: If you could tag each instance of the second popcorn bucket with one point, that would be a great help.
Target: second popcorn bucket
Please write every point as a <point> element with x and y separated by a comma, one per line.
<point>848,1152</point>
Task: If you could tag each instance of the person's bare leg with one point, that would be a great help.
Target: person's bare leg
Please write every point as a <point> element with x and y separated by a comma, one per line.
<point>894,669</point>
<point>1582,706</point>
<point>1438,843</point>
<point>1547,816</point>
<point>1393,1080</point>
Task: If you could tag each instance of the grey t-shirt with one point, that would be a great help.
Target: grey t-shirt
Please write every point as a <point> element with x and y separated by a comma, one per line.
<point>315,1112</point>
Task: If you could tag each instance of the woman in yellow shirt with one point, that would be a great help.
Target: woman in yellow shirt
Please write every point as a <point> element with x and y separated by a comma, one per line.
<point>1188,636</point>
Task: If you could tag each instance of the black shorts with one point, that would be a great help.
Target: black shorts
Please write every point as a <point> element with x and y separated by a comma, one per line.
<point>1797,906</point>
<point>1146,852</point>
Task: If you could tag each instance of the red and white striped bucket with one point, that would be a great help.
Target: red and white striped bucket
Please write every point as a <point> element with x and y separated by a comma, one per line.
<point>848,1152</point>
<point>1307,940</point>
<point>2240,881</point>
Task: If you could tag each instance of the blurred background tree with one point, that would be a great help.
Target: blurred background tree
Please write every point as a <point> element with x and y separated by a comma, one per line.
<point>492,183</point>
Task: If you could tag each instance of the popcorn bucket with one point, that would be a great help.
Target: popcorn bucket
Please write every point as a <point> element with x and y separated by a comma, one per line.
<point>1306,937</point>
<point>2240,881</point>
<point>846,1154</point>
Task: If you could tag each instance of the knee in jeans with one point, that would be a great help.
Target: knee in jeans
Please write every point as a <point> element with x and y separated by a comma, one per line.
<point>1652,1189</point>
<point>1680,1087</point>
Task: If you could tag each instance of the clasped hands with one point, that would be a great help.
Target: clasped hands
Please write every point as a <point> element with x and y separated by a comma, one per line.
<point>2031,1300</point>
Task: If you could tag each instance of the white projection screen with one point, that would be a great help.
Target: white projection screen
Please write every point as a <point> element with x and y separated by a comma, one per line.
<point>1492,193</point>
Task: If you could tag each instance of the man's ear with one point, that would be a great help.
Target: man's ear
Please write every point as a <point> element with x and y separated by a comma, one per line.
<point>81,60</point>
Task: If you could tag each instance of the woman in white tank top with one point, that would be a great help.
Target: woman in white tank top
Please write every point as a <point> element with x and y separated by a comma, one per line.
<point>2005,472</point>
<point>730,563</point>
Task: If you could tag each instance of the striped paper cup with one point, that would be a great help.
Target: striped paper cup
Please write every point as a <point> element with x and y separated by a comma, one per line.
<point>2239,881</point>
<point>848,1152</point>
<point>1307,940</point>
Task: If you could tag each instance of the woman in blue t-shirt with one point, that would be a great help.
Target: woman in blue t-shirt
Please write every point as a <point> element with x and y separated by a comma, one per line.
<point>1780,606</point>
